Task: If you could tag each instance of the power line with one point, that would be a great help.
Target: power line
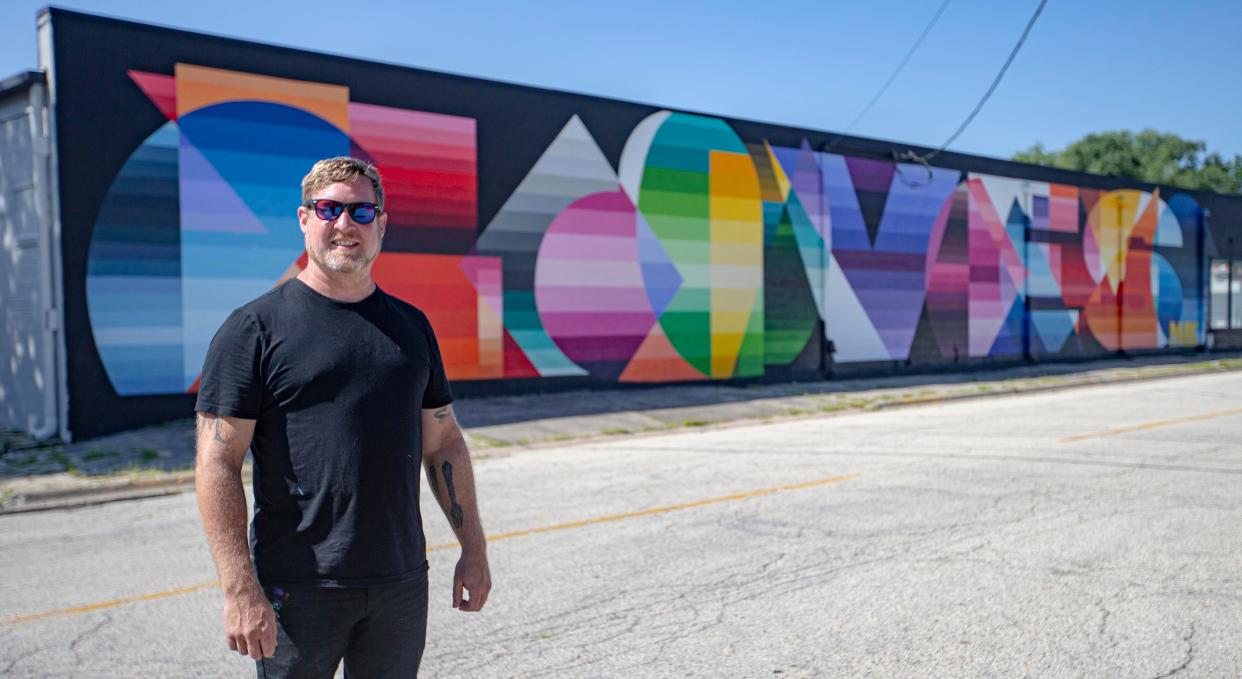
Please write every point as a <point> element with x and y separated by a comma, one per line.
<point>913,48</point>
<point>992,88</point>
<point>883,88</point>
<point>922,160</point>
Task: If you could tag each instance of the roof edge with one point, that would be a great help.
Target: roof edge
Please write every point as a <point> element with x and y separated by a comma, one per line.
<point>21,82</point>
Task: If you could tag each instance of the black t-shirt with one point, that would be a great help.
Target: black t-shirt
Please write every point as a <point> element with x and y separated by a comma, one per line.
<point>337,391</point>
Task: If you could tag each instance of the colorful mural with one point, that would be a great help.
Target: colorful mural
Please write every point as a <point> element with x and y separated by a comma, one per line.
<point>699,255</point>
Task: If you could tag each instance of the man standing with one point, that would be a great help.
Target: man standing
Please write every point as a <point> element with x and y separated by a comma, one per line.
<point>339,390</point>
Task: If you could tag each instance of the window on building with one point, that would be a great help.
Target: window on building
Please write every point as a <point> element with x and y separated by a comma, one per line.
<point>1225,289</point>
<point>1219,289</point>
<point>1235,295</point>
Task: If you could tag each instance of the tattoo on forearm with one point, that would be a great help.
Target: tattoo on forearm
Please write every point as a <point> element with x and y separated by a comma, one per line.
<point>441,413</point>
<point>455,513</point>
<point>217,437</point>
<point>431,480</point>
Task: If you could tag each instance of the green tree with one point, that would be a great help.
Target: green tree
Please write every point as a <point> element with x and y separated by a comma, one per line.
<point>1150,156</point>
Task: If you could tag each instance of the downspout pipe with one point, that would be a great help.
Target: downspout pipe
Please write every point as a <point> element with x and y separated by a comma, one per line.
<point>38,114</point>
<point>47,173</point>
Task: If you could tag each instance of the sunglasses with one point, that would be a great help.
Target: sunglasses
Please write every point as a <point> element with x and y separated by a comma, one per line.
<point>327,210</point>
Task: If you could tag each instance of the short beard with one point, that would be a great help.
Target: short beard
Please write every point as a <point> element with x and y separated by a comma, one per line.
<point>340,262</point>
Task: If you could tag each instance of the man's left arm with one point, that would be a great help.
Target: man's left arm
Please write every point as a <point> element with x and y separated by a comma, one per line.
<point>449,474</point>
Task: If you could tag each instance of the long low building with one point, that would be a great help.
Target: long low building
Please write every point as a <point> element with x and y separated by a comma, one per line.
<point>150,179</point>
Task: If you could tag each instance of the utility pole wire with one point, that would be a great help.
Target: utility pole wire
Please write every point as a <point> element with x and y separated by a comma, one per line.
<point>913,157</point>
<point>1027,31</point>
<point>909,54</point>
<point>883,88</point>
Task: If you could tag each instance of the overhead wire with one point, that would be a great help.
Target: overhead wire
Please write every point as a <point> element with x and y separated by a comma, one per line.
<point>897,71</point>
<point>893,76</point>
<point>922,159</point>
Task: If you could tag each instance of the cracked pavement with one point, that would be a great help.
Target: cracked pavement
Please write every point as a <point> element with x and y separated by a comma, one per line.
<point>975,541</point>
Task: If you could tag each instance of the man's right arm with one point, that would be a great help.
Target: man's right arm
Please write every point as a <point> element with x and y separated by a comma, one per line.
<point>249,622</point>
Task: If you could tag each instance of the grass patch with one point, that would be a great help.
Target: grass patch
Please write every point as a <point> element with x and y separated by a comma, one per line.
<point>694,423</point>
<point>60,458</point>
<point>19,461</point>
<point>617,432</point>
<point>489,442</point>
<point>148,455</point>
<point>91,455</point>
<point>135,471</point>
<point>850,404</point>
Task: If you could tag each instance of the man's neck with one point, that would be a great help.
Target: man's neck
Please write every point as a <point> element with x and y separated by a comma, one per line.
<point>342,287</point>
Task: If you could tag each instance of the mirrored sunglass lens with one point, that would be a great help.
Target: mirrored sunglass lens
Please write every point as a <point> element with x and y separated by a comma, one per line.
<point>362,213</point>
<point>328,209</point>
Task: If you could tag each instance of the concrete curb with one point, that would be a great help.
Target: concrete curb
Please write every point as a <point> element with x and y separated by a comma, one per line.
<point>108,491</point>
<point>712,416</point>
<point>483,446</point>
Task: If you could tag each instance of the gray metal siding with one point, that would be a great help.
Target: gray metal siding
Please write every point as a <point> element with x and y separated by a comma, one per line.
<point>24,378</point>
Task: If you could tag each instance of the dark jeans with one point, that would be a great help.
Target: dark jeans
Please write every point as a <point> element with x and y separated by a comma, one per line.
<point>379,631</point>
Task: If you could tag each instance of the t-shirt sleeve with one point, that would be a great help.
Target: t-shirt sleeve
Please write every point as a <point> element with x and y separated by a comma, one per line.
<point>231,384</point>
<point>438,393</point>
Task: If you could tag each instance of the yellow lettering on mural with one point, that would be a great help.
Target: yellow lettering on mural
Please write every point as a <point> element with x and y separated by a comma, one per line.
<point>1184,333</point>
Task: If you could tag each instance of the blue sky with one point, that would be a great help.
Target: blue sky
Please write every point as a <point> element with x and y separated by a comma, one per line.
<point>1088,66</point>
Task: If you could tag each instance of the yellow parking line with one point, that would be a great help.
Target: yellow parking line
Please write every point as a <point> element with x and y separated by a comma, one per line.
<point>1151,425</point>
<point>657,510</point>
<point>759,492</point>
<point>110,603</point>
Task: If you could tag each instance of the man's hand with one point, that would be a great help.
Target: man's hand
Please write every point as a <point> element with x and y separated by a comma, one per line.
<point>473,575</point>
<point>250,624</point>
<point>448,460</point>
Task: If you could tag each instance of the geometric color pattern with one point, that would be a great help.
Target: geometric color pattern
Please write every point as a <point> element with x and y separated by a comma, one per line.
<point>695,186</point>
<point>589,284</point>
<point>572,167</point>
<point>219,185</point>
<point>133,273</point>
<point>793,264</point>
<point>430,180</point>
<point>698,256</point>
<point>882,221</point>
<point>458,294</point>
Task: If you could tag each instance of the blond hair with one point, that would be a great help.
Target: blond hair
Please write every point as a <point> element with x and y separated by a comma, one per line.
<point>341,170</point>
